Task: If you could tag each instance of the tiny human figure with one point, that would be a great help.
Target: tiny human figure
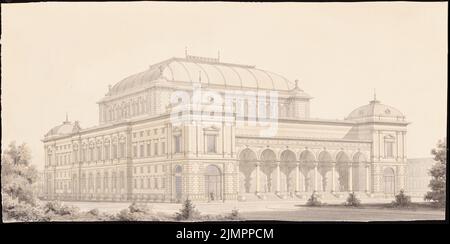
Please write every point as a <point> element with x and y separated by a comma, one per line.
<point>211,196</point>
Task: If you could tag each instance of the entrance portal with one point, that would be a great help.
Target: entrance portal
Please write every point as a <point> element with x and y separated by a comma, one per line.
<point>213,183</point>
<point>389,181</point>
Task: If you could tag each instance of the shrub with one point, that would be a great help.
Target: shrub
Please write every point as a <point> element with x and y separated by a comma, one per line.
<point>126,215</point>
<point>352,200</point>
<point>139,208</point>
<point>402,200</point>
<point>15,210</point>
<point>234,215</point>
<point>188,211</point>
<point>94,212</point>
<point>314,200</point>
<point>57,208</point>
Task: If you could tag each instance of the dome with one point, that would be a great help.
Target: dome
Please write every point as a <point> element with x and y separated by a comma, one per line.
<point>208,71</point>
<point>376,110</point>
<point>65,128</point>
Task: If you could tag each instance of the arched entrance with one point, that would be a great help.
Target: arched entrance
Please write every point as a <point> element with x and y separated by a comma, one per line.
<point>178,183</point>
<point>389,181</point>
<point>247,160</point>
<point>213,183</point>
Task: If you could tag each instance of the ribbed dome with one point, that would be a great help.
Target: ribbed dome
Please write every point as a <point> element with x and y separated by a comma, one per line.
<point>65,128</point>
<point>377,110</point>
<point>208,71</point>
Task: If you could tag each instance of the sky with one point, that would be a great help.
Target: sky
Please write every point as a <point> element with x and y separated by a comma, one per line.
<point>59,58</point>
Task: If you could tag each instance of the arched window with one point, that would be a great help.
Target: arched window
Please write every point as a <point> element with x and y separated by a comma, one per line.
<point>114,181</point>
<point>98,181</point>
<point>106,180</point>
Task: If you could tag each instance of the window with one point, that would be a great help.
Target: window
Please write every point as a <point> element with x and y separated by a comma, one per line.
<point>148,183</point>
<point>155,183</point>
<point>148,149</point>
<point>114,180</point>
<point>141,134</point>
<point>134,151</point>
<point>91,154</point>
<point>75,156</point>
<point>105,180</point>
<point>389,148</point>
<point>163,183</point>
<point>122,180</point>
<point>156,148</point>
<point>142,169</point>
<point>163,148</point>
<point>107,152</point>
<point>114,152</point>
<point>211,143</point>
<point>97,181</point>
<point>141,149</point>
<point>177,141</point>
<point>122,149</point>
<point>99,153</point>
<point>84,153</point>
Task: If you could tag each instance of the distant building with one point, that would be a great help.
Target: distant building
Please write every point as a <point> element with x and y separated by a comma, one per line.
<point>418,176</point>
<point>137,152</point>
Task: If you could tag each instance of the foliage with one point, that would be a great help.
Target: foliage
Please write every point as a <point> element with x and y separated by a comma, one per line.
<point>402,200</point>
<point>314,200</point>
<point>352,200</point>
<point>94,212</point>
<point>57,208</point>
<point>438,173</point>
<point>15,210</point>
<point>188,211</point>
<point>138,208</point>
<point>18,175</point>
<point>234,215</point>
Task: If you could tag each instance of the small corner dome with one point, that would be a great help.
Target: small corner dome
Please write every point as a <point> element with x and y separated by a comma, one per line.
<point>375,109</point>
<point>65,128</point>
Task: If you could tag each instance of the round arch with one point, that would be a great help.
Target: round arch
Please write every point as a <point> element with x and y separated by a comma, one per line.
<point>359,157</point>
<point>288,156</point>
<point>213,183</point>
<point>268,155</point>
<point>307,156</point>
<point>325,156</point>
<point>389,180</point>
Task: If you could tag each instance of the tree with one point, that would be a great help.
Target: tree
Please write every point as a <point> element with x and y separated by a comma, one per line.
<point>17,173</point>
<point>188,211</point>
<point>438,173</point>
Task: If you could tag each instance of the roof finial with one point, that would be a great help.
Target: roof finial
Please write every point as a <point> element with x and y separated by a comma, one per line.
<point>296,84</point>
<point>218,55</point>
<point>67,118</point>
<point>185,51</point>
<point>374,94</point>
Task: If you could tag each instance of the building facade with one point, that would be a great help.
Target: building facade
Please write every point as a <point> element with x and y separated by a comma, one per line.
<point>206,130</point>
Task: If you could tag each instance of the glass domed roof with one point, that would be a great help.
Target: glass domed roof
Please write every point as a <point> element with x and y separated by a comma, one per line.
<point>208,71</point>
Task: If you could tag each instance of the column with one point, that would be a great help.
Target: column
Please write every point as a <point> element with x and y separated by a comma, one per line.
<point>278,177</point>
<point>257,177</point>
<point>333,177</point>
<point>315,177</point>
<point>367,178</point>
<point>297,175</point>
<point>350,177</point>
